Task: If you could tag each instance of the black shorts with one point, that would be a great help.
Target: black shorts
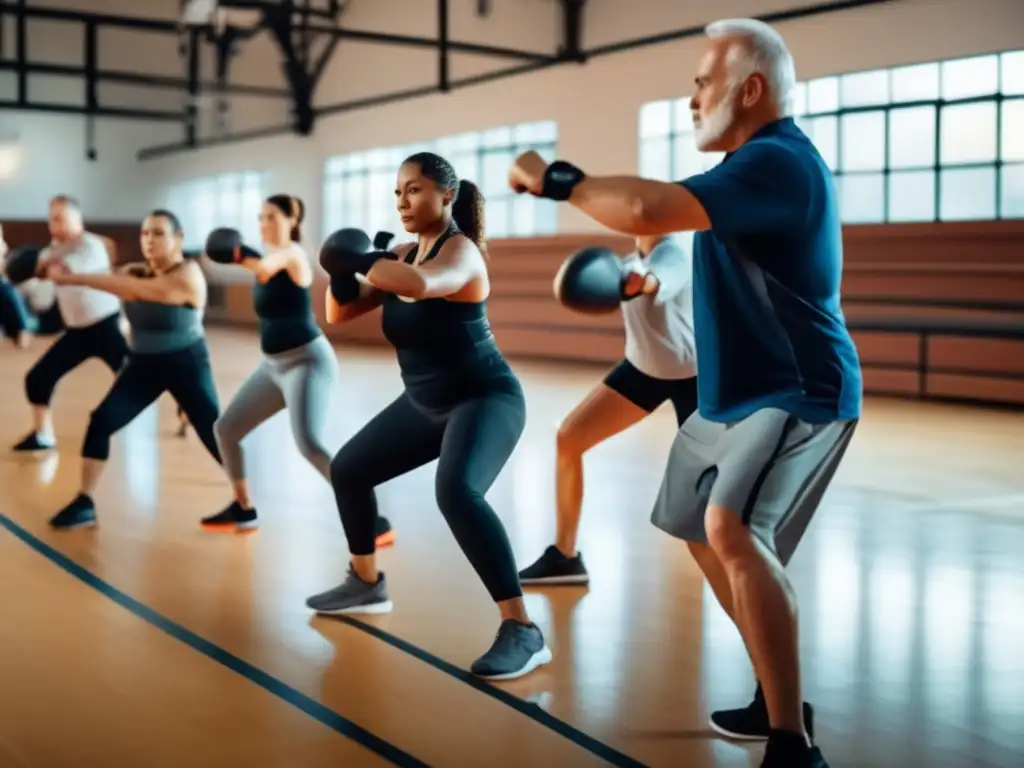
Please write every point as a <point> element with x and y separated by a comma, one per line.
<point>648,392</point>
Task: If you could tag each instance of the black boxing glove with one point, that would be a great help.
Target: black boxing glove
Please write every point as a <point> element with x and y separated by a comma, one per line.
<point>348,251</point>
<point>224,242</point>
<point>560,179</point>
<point>344,288</point>
<point>382,240</point>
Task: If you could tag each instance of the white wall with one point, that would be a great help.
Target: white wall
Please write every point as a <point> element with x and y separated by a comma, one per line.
<point>50,149</point>
<point>595,105</point>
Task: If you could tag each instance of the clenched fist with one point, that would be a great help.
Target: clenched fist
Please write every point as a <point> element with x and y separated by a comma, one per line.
<point>527,173</point>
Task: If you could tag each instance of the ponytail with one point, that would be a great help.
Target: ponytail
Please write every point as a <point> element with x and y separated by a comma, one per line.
<point>468,213</point>
<point>299,212</point>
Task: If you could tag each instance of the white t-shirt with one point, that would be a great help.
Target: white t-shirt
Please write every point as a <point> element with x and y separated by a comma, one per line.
<point>79,306</point>
<point>659,328</point>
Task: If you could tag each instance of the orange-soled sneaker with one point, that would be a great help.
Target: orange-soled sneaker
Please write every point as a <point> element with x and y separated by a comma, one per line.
<point>384,532</point>
<point>232,519</point>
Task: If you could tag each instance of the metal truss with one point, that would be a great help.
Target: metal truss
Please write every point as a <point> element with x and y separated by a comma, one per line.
<point>299,28</point>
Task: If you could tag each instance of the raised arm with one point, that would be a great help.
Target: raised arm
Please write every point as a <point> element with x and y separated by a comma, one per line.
<point>347,297</point>
<point>367,299</point>
<point>761,187</point>
<point>88,255</point>
<point>458,263</point>
<point>181,286</point>
<point>292,260</point>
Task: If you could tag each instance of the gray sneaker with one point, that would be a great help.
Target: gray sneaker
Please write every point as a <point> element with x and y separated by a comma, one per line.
<point>353,596</point>
<point>518,649</point>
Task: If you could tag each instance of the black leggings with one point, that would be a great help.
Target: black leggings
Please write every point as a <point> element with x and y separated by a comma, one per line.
<point>186,374</point>
<point>102,339</point>
<point>473,441</point>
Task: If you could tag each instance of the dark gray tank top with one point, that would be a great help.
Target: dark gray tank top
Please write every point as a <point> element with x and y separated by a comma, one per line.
<point>159,328</point>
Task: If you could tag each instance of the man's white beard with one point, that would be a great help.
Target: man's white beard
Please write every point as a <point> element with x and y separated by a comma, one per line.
<point>714,126</point>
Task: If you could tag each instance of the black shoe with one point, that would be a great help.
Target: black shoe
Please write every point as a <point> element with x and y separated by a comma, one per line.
<point>518,649</point>
<point>555,568</point>
<point>232,519</point>
<point>35,442</point>
<point>790,750</point>
<point>78,514</point>
<point>751,722</point>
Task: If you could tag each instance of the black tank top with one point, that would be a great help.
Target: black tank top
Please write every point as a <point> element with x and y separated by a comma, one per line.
<point>285,314</point>
<point>446,351</point>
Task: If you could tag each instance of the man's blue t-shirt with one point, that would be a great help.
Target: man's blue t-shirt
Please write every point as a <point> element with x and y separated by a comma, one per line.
<point>769,329</point>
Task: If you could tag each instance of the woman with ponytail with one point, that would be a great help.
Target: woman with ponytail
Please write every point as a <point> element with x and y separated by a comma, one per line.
<point>298,370</point>
<point>462,405</point>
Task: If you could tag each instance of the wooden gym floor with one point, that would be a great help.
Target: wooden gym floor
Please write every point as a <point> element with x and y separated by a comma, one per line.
<point>146,642</point>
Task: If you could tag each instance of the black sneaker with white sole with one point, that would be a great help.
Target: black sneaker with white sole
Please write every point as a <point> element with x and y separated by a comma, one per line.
<point>79,513</point>
<point>35,442</point>
<point>518,649</point>
<point>555,568</point>
<point>750,723</point>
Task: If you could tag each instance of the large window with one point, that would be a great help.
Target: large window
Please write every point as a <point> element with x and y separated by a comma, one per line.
<point>942,141</point>
<point>230,200</point>
<point>359,188</point>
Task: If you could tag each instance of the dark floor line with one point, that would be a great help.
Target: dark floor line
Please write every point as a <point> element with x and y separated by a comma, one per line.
<point>271,684</point>
<point>532,711</point>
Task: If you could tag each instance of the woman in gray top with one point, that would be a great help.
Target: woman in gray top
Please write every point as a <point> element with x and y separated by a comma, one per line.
<point>164,301</point>
<point>659,365</point>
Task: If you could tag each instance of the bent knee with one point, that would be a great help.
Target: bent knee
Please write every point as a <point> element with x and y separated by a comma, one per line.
<point>455,495</point>
<point>226,430</point>
<point>570,440</point>
<point>347,471</point>
<point>727,534</point>
<point>311,449</point>
<point>38,387</point>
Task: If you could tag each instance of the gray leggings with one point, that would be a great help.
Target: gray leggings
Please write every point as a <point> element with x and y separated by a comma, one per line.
<point>300,379</point>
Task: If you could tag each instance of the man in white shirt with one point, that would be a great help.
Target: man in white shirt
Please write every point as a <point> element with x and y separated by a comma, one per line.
<point>92,317</point>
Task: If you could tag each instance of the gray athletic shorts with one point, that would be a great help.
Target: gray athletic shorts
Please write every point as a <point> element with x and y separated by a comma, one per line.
<point>771,468</point>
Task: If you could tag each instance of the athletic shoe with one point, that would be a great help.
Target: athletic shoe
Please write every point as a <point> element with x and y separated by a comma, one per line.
<point>79,513</point>
<point>232,519</point>
<point>518,649</point>
<point>35,442</point>
<point>353,596</point>
<point>790,750</point>
<point>750,723</point>
<point>555,568</point>
<point>384,532</point>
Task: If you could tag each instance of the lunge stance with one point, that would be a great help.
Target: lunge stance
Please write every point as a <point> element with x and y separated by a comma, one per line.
<point>659,366</point>
<point>780,382</point>
<point>164,301</point>
<point>462,403</point>
<point>92,316</point>
<point>299,370</point>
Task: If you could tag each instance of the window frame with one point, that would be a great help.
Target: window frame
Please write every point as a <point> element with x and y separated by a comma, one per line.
<point>339,169</point>
<point>936,167</point>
